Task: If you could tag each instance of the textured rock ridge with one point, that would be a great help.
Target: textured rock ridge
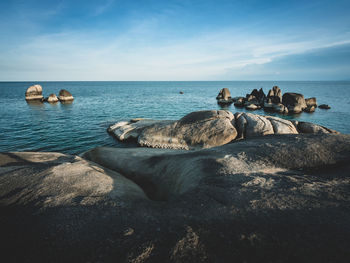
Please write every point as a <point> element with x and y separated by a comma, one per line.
<point>205,129</point>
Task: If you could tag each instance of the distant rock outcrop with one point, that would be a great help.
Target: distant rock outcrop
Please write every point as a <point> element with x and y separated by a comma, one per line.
<point>52,98</point>
<point>224,96</point>
<point>34,93</point>
<point>65,96</point>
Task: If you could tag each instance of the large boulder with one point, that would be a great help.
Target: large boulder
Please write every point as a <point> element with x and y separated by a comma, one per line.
<point>65,96</point>
<point>205,129</point>
<point>308,127</point>
<point>34,93</point>
<point>281,126</point>
<point>252,125</point>
<point>259,95</point>
<point>285,198</point>
<point>295,102</point>
<point>201,129</point>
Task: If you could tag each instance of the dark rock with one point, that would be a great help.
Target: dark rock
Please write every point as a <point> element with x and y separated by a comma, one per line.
<point>310,109</point>
<point>259,95</point>
<point>181,92</point>
<point>239,102</point>
<point>34,93</point>
<point>295,102</point>
<point>324,106</point>
<point>275,94</point>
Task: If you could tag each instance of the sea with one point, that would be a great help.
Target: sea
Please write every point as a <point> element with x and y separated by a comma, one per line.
<point>77,127</point>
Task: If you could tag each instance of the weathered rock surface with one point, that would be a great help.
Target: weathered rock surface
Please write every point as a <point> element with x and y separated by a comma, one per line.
<point>202,129</point>
<point>52,98</point>
<point>224,96</point>
<point>285,198</point>
<point>34,93</point>
<point>275,95</point>
<point>65,96</point>
<point>205,129</point>
<point>295,102</point>
<point>281,126</point>
<point>308,127</point>
<point>252,125</point>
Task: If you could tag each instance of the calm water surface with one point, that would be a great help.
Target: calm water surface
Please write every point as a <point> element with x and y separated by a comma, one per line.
<point>77,127</point>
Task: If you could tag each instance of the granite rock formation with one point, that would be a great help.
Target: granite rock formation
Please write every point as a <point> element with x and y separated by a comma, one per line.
<point>280,198</point>
<point>34,93</point>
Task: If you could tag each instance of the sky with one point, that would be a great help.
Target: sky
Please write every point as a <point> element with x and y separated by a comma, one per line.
<point>112,40</point>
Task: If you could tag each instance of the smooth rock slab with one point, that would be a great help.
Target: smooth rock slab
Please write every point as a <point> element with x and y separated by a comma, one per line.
<point>281,126</point>
<point>253,125</point>
<point>285,198</point>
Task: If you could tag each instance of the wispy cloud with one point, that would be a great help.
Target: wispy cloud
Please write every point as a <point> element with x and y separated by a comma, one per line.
<point>103,7</point>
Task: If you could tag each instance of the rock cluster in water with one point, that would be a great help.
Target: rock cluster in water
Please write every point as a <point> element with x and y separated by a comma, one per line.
<point>274,101</point>
<point>205,129</point>
<point>34,93</point>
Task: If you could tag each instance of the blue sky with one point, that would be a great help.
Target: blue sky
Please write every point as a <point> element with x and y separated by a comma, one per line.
<point>174,40</point>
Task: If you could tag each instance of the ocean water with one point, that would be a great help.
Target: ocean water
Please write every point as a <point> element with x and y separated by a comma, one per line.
<point>79,126</point>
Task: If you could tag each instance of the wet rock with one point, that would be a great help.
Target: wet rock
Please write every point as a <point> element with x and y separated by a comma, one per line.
<point>34,93</point>
<point>65,96</point>
<point>324,106</point>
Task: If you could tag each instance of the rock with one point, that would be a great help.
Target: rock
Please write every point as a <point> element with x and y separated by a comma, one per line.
<point>181,92</point>
<point>294,102</point>
<point>308,127</point>
<point>269,106</point>
<point>259,95</point>
<point>239,102</point>
<point>65,96</point>
<point>224,95</point>
<point>310,109</point>
<point>275,94</point>
<point>252,125</point>
<point>34,93</point>
<point>280,108</point>
<point>252,107</point>
<point>201,129</point>
<point>281,126</point>
<point>52,98</point>
<point>272,195</point>
<point>311,102</point>
<point>324,106</point>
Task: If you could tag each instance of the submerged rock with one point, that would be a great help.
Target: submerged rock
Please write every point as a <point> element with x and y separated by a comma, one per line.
<point>324,106</point>
<point>65,96</point>
<point>34,93</point>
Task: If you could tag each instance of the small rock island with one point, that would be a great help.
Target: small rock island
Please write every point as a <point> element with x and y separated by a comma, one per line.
<point>35,94</point>
<point>274,101</point>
